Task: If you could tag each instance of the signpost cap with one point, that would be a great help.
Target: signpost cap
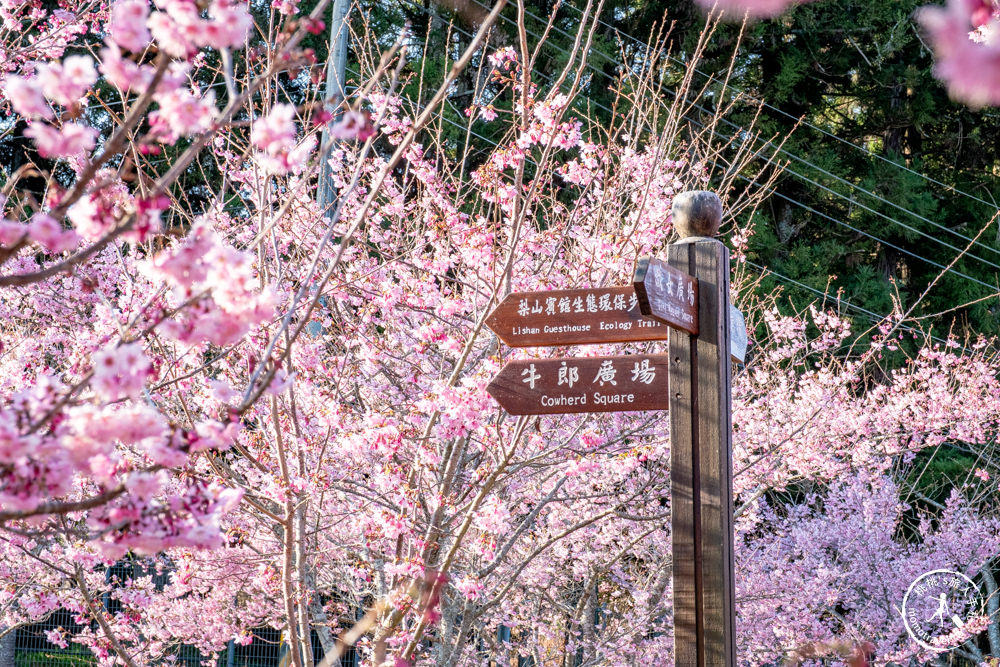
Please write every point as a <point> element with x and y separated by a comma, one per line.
<point>697,213</point>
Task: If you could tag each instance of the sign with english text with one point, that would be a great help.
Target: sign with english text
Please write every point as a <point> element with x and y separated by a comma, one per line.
<point>667,294</point>
<point>582,384</point>
<point>573,317</point>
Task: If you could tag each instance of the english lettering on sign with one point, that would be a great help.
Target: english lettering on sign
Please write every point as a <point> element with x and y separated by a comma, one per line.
<point>582,384</point>
<point>667,294</point>
<point>573,317</point>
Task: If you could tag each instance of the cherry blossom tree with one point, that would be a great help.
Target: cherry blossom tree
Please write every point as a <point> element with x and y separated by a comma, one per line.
<point>277,414</point>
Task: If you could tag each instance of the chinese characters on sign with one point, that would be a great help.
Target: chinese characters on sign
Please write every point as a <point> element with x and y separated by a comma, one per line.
<point>667,293</point>
<point>584,384</point>
<point>573,317</point>
<point>585,302</point>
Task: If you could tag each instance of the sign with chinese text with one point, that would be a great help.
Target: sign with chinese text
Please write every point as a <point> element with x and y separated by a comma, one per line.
<point>667,294</point>
<point>582,384</point>
<point>573,317</point>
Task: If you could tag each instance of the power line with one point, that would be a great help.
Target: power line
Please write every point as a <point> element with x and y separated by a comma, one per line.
<point>712,78</point>
<point>874,317</point>
<point>715,132</point>
<point>875,238</point>
<point>853,201</point>
<point>783,150</point>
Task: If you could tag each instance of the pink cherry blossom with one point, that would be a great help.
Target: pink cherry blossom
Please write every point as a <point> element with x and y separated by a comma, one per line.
<point>736,9</point>
<point>229,25</point>
<point>286,7</point>
<point>128,24</point>
<point>120,371</point>
<point>56,637</point>
<point>968,63</point>
<point>101,209</point>
<point>275,135</point>
<point>488,113</point>
<point>122,72</point>
<point>26,97</point>
<point>45,230</point>
<point>214,435</point>
<point>143,485</point>
<point>67,141</point>
<point>221,391</point>
<point>353,125</point>
<point>205,265</point>
<point>180,31</point>
<point>275,132</point>
<point>11,232</point>
<point>184,112</point>
<point>169,35</point>
<point>66,82</point>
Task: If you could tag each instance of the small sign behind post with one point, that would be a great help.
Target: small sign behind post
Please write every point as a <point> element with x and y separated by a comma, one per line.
<point>573,317</point>
<point>667,294</point>
<point>737,336</point>
<point>582,384</point>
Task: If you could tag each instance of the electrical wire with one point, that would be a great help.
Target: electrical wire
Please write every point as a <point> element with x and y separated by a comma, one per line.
<point>794,173</point>
<point>783,150</point>
<point>871,315</point>
<point>712,78</point>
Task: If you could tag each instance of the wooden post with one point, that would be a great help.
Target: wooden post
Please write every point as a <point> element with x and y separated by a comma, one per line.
<point>701,446</point>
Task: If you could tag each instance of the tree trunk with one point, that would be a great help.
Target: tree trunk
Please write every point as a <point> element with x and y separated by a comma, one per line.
<point>992,609</point>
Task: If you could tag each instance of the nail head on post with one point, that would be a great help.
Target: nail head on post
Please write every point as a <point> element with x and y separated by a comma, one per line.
<point>697,214</point>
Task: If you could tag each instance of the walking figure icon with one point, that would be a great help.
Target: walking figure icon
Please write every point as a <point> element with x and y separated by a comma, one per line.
<point>942,608</point>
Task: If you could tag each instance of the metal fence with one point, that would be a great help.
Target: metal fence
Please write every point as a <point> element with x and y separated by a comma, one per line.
<point>32,648</point>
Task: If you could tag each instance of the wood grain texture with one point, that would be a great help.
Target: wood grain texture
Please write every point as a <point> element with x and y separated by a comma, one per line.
<point>701,476</point>
<point>573,317</point>
<point>683,478</point>
<point>563,385</point>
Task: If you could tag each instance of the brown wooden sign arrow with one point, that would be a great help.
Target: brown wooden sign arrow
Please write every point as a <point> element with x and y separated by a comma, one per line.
<point>667,294</point>
<point>573,317</point>
<point>582,384</point>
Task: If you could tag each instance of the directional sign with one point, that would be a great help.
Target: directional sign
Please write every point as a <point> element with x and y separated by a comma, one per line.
<point>582,384</point>
<point>573,317</point>
<point>667,293</point>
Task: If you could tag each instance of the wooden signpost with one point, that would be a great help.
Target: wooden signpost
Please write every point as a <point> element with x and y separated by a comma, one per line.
<point>701,482</point>
<point>582,384</point>
<point>574,317</point>
<point>688,296</point>
<point>667,294</point>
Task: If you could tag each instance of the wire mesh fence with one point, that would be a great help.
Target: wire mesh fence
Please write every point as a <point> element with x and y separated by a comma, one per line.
<point>32,648</point>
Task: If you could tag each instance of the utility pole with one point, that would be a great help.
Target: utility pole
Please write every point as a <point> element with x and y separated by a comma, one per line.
<point>336,65</point>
